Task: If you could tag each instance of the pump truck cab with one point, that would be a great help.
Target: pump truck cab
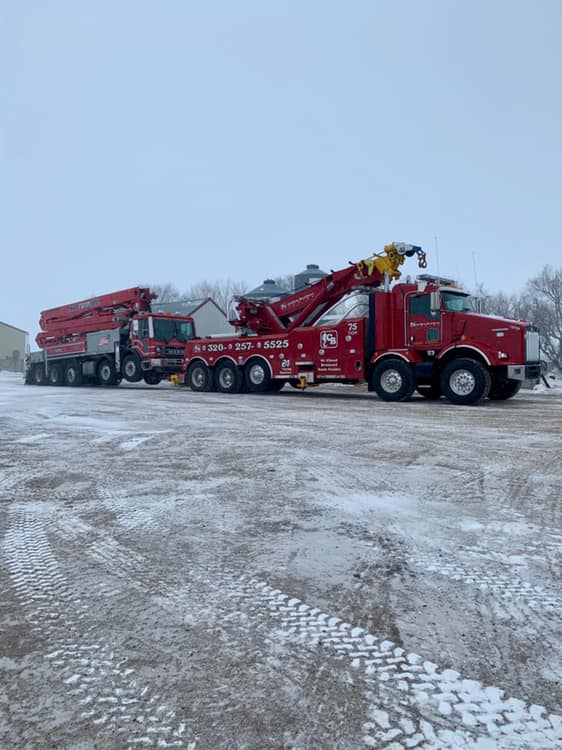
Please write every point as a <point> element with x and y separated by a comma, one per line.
<point>104,339</point>
<point>354,326</point>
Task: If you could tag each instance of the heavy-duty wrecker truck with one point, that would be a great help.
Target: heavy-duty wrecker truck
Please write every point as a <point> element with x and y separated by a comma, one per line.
<point>420,336</point>
<point>104,339</point>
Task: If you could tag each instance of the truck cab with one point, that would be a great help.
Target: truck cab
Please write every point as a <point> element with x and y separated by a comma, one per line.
<point>153,345</point>
<point>433,326</point>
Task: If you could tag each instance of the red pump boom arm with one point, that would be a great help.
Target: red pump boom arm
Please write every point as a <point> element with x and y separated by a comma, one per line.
<point>104,312</point>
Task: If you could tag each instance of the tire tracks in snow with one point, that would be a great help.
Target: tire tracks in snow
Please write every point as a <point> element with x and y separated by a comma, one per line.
<point>108,694</point>
<point>412,702</point>
<point>501,586</point>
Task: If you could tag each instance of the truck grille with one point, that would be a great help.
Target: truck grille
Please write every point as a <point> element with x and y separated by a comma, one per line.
<point>532,345</point>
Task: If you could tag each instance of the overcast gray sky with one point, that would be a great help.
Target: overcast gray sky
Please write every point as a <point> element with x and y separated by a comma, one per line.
<point>177,141</point>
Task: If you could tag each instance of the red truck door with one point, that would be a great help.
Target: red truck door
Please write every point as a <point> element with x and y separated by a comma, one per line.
<point>423,325</point>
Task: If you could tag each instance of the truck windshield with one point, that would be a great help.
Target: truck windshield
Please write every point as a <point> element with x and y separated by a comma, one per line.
<point>456,302</point>
<point>166,329</point>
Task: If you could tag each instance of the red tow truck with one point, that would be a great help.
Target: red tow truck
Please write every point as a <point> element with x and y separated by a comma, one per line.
<point>104,339</point>
<point>399,338</point>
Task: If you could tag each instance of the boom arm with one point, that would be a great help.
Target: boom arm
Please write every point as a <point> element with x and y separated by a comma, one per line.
<point>307,305</point>
<point>105,312</point>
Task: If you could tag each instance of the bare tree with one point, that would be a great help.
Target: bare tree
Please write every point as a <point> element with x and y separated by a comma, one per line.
<point>542,303</point>
<point>495,304</point>
<point>286,282</point>
<point>166,292</point>
<point>221,291</point>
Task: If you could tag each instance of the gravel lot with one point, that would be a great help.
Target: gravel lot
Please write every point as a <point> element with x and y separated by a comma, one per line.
<point>298,570</point>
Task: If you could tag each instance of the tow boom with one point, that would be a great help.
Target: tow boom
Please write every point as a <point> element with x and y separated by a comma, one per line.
<point>307,305</point>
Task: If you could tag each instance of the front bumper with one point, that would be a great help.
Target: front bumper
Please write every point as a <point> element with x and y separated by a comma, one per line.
<point>169,364</point>
<point>528,371</point>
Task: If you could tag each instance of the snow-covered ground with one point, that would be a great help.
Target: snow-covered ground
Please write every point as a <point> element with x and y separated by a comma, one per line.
<point>299,570</point>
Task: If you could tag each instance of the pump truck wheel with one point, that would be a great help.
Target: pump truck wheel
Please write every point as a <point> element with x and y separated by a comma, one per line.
<point>199,377</point>
<point>131,368</point>
<point>228,377</point>
<point>73,374</point>
<point>56,375</point>
<point>106,373</point>
<point>257,375</point>
<point>393,380</point>
<point>465,382</point>
<point>38,375</point>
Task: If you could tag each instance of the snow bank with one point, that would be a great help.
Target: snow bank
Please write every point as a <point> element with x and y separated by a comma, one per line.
<point>554,381</point>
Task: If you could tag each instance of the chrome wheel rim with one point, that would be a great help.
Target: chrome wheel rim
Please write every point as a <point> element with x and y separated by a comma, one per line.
<point>257,375</point>
<point>198,377</point>
<point>462,382</point>
<point>391,381</point>
<point>226,378</point>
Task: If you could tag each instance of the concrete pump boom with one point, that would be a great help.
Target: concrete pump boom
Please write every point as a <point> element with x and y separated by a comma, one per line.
<point>106,311</point>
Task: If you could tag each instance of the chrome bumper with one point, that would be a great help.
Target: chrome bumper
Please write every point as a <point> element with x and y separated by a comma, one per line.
<point>525,372</point>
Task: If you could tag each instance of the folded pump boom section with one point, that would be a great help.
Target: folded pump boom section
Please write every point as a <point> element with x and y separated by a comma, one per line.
<point>108,311</point>
<point>307,305</point>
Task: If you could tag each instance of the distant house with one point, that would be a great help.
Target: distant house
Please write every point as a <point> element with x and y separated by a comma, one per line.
<point>13,345</point>
<point>208,317</point>
<point>311,274</point>
<point>269,291</point>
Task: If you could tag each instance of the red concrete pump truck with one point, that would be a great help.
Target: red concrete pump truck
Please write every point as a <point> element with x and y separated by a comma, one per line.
<point>104,339</point>
<point>420,336</point>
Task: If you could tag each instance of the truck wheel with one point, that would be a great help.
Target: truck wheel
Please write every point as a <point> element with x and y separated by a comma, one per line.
<point>131,368</point>
<point>229,378</point>
<point>56,376</point>
<point>38,375</point>
<point>431,392</point>
<point>258,378</point>
<point>465,382</point>
<point>73,374</point>
<point>199,377</point>
<point>502,389</point>
<point>393,380</point>
<point>106,373</point>
<point>152,378</point>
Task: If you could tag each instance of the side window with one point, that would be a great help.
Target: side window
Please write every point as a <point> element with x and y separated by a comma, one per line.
<point>143,328</point>
<point>421,305</point>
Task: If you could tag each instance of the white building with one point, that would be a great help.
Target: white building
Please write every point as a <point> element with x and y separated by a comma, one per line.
<point>13,346</point>
<point>208,317</point>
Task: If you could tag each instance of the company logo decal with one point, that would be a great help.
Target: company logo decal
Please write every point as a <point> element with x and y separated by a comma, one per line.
<point>328,339</point>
